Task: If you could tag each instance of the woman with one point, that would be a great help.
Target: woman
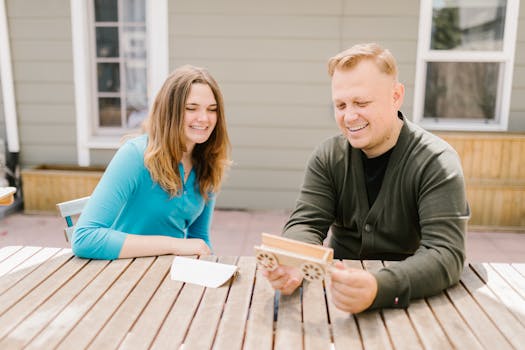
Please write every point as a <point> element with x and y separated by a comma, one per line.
<point>158,193</point>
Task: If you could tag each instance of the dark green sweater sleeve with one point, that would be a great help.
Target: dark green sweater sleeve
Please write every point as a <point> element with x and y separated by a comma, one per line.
<point>438,262</point>
<point>315,207</point>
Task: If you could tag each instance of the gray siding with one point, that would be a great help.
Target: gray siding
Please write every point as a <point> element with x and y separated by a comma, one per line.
<point>270,60</point>
<point>41,49</point>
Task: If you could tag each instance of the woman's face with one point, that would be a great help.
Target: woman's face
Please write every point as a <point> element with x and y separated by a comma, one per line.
<point>200,115</point>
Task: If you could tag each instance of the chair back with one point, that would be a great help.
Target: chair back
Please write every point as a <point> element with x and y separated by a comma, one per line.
<point>69,210</point>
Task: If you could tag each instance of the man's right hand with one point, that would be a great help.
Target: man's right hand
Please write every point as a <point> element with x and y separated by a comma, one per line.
<point>284,278</point>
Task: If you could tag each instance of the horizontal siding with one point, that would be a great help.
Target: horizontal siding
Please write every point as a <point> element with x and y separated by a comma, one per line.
<point>255,26</point>
<point>269,7</point>
<point>270,61</point>
<point>238,49</point>
<point>40,35</point>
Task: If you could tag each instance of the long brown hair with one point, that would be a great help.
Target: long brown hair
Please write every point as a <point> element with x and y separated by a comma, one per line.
<point>167,141</point>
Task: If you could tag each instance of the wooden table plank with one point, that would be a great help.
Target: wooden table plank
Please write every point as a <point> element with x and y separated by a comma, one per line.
<point>259,329</point>
<point>233,321</point>
<point>414,327</point>
<point>519,267</point>
<point>176,324</point>
<point>204,325</point>
<point>75,311</point>
<point>482,327</point>
<point>145,330</point>
<point>17,292</point>
<point>12,317</point>
<point>513,277</point>
<point>6,252</point>
<point>500,315</point>
<point>25,268</point>
<point>373,329</point>
<point>507,295</point>
<point>427,326</point>
<point>89,326</point>
<point>44,314</point>
<point>121,322</point>
<point>344,325</point>
<point>458,332</point>
<point>315,316</point>
<point>289,330</point>
<point>16,259</point>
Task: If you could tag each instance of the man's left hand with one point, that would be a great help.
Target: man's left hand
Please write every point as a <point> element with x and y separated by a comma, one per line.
<point>353,290</point>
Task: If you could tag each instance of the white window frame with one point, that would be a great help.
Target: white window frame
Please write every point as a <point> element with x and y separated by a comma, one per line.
<point>505,57</point>
<point>85,91</point>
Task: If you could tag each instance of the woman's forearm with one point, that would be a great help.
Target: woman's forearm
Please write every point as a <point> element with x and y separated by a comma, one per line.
<point>138,245</point>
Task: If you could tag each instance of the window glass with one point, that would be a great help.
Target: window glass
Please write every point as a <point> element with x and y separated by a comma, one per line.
<point>468,25</point>
<point>121,64</point>
<point>461,90</point>
<point>134,11</point>
<point>109,111</point>
<point>107,42</point>
<point>106,11</point>
<point>108,77</point>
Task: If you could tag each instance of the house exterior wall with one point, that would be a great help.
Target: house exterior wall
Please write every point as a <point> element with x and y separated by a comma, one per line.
<point>41,49</point>
<point>270,60</point>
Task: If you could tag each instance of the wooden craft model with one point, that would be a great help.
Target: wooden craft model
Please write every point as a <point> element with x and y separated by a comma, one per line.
<point>313,260</point>
<point>7,195</point>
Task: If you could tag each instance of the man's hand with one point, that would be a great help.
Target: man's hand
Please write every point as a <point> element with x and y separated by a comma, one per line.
<point>353,290</point>
<point>284,278</point>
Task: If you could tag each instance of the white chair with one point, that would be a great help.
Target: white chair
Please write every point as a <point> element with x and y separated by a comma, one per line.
<point>71,209</point>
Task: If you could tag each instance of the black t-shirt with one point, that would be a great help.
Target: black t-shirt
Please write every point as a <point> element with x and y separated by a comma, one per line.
<point>375,169</point>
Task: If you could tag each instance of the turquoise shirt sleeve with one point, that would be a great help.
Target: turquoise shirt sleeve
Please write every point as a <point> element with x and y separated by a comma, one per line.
<point>93,237</point>
<point>200,228</point>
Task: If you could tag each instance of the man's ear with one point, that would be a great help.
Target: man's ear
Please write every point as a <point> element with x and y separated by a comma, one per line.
<point>398,95</point>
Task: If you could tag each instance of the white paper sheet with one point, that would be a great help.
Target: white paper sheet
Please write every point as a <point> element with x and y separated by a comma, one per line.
<point>201,272</point>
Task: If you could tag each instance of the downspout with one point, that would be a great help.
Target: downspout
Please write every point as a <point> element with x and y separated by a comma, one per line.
<point>8,94</point>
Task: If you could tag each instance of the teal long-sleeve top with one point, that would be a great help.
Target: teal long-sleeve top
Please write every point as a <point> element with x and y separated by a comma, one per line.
<point>128,201</point>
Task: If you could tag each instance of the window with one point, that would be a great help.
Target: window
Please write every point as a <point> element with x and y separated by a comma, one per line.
<point>120,65</point>
<point>465,62</point>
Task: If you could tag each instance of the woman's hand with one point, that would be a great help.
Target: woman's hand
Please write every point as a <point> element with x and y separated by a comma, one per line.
<point>190,246</point>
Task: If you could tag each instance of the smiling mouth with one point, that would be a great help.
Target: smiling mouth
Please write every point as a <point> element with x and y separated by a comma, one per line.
<point>197,127</point>
<point>357,127</point>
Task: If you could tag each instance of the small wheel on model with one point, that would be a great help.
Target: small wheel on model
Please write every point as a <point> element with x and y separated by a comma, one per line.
<point>312,271</point>
<point>267,261</point>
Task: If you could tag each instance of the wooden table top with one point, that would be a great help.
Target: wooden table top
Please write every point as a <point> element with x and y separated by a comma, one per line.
<point>50,299</point>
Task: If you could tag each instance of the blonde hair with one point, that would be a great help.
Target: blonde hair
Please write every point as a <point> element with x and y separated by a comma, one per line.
<point>349,58</point>
<point>167,141</point>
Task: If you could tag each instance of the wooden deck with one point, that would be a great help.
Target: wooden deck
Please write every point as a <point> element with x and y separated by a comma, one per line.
<point>50,299</point>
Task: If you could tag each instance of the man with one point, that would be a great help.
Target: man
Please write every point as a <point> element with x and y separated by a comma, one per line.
<point>388,189</point>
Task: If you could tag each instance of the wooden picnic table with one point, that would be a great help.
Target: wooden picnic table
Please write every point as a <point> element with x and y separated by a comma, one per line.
<point>51,299</point>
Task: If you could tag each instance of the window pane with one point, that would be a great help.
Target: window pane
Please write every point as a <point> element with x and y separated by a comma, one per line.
<point>134,42</point>
<point>106,11</point>
<point>107,42</point>
<point>468,24</point>
<point>109,111</point>
<point>136,110</point>
<point>461,90</point>
<point>134,11</point>
<point>108,77</point>
<point>136,78</point>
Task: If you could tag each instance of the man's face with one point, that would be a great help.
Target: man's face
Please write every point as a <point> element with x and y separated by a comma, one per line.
<point>366,102</point>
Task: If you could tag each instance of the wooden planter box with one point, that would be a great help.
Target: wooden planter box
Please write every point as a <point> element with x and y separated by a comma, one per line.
<point>494,168</point>
<point>46,185</point>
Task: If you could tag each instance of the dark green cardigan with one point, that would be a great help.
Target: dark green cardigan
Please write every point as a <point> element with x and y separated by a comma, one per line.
<point>419,216</point>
